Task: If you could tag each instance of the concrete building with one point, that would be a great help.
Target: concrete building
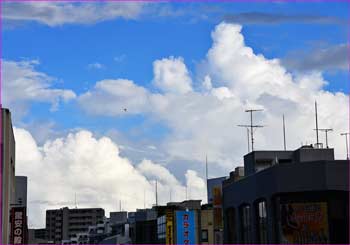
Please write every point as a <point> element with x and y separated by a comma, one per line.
<point>65,224</point>
<point>118,217</point>
<point>207,225</point>
<point>299,196</point>
<point>37,236</point>
<point>7,172</point>
<point>21,191</point>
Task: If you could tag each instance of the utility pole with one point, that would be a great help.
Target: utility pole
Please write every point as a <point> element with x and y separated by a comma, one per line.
<point>284,134</point>
<point>346,144</point>
<point>251,126</point>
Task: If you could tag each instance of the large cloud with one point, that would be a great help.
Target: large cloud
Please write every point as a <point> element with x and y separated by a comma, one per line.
<point>23,84</point>
<point>202,119</point>
<point>94,170</point>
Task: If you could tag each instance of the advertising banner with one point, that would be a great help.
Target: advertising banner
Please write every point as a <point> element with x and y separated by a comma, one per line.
<point>169,228</point>
<point>18,225</point>
<point>304,223</point>
<point>185,227</point>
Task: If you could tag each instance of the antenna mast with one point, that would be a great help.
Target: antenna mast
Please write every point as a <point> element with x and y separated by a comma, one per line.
<point>284,134</point>
<point>75,198</point>
<point>251,126</point>
<point>346,144</point>
<point>206,175</point>
<point>317,142</point>
<point>326,130</point>
<point>156,193</point>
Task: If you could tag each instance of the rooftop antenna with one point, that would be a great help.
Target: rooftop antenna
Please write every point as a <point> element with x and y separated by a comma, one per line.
<point>206,175</point>
<point>144,198</point>
<point>156,193</point>
<point>120,205</point>
<point>170,195</point>
<point>251,126</point>
<point>326,130</point>
<point>75,197</point>
<point>346,144</point>
<point>317,142</point>
<point>284,134</point>
<point>186,191</point>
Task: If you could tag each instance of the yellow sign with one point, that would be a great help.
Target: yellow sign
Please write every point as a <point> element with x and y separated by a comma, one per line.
<point>169,228</point>
<point>304,223</point>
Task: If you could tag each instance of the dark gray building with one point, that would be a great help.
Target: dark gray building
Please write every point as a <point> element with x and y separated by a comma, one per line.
<point>299,196</point>
<point>65,223</point>
<point>21,191</point>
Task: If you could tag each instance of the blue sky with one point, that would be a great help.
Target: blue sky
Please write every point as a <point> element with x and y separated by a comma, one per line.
<point>127,48</point>
<point>56,55</point>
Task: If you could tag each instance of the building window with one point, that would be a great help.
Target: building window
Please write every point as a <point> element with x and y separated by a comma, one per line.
<point>204,235</point>
<point>246,224</point>
<point>261,215</point>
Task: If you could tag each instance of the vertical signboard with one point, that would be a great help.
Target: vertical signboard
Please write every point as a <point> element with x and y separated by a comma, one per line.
<point>18,225</point>
<point>169,239</point>
<point>185,227</point>
<point>304,223</point>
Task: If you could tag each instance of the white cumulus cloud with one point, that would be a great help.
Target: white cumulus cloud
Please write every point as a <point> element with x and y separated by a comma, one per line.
<point>94,170</point>
<point>233,78</point>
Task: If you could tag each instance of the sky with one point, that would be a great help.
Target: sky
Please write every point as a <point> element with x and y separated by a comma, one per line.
<point>106,98</point>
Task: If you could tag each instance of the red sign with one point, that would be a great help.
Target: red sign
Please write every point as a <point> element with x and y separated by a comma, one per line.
<point>18,225</point>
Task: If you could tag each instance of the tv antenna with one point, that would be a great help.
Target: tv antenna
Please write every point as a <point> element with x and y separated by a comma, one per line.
<point>326,130</point>
<point>346,144</point>
<point>251,126</point>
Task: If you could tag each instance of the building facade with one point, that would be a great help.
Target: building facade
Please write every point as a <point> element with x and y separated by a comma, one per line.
<point>299,196</point>
<point>7,169</point>
<point>21,191</point>
<point>65,224</point>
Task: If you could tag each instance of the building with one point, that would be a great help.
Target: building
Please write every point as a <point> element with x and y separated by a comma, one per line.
<point>7,172</point>
<point>179,222</point>
<point>144,228</point>
<point>207,224</point>
<point>21,191</point>
<point>212,185</point>
<point>299,196</point>
<point>37,236</point>
<point>65,224</point>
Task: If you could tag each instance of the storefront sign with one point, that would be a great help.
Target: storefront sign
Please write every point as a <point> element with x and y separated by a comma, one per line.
<point>304,223</point>
<point>185,227</point>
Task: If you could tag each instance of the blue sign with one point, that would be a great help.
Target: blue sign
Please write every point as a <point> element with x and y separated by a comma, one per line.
<point>185,227</point>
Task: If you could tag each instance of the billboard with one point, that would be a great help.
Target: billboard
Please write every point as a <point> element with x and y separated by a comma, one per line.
<point>169,239</point>
<point>18,225</point>
<point>304,223</point>
<point>185,227</point>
